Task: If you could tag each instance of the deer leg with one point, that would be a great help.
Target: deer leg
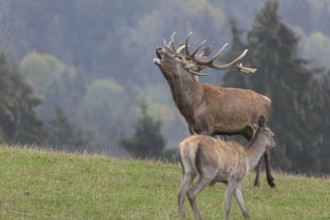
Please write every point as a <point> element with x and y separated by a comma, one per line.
<point>258,171</point>
<point>270,178</point>
<point>229,194</point>
<point>185,184</point>
<point>203,126</point>
<point>240,201</point>
<point>194,191</point>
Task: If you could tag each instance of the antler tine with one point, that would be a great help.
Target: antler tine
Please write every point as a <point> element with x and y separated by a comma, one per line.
<point>186,45</point>
<point>234,64</point>
<point>193,54</point>
<point>218,53</point>
<point>172,39</point>
<point>188,56</point>
<point>198,73</point>
<point>167,45</point>
<point>180,48</point>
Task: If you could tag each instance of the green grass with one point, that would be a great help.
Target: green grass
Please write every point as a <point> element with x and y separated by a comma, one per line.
<point>38,184</point>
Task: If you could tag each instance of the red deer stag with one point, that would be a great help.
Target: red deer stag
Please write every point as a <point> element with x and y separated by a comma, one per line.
<point>210,160</point>
<point>209,109</point>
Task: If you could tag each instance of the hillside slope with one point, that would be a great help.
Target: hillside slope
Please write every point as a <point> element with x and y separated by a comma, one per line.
<point>36,184</point>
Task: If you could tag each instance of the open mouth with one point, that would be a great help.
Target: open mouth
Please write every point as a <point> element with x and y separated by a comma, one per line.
<point>157,60</point>
<point>158,54</point>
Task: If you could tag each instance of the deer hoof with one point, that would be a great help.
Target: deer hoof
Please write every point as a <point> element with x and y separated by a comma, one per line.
<point>256,184</point>
<point>271,183</point>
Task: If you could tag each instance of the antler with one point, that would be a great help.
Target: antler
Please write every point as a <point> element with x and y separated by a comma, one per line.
<point>172,43</point>
<point>234,64</point>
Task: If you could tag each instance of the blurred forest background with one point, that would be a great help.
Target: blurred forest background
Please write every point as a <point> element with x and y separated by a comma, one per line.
<point>78,75</point>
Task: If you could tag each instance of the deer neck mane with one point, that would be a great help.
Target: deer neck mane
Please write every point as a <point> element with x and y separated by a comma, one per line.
<point>255,149</point>
<point>186,90</point>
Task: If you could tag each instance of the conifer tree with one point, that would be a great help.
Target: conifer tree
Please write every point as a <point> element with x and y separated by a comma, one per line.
<point>147,141</point>
<point>320,125</point>
<point>19,121</point>
<point>64,134</point>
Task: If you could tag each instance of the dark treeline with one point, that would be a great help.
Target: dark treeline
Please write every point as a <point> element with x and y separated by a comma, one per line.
<point>74,72</point>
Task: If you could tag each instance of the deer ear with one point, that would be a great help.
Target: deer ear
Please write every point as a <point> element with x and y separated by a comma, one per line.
<point>205,52</point>
<point>261,121</point>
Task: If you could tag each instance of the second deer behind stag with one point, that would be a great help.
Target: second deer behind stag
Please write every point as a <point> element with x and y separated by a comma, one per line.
<point>210,160</point>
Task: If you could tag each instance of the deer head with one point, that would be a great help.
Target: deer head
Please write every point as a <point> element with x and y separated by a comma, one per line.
<point>269,134</point>
<point>173,60</point>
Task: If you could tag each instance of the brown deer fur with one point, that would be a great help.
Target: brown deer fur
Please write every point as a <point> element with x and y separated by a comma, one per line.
<point>209,109</point>
<point>210,160</point>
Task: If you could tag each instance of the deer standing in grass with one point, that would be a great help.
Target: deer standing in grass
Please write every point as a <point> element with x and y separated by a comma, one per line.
<point>209,109</point>
<point>211,160</point>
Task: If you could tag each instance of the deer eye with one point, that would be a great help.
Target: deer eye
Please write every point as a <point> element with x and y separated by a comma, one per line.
<point>178,57</point>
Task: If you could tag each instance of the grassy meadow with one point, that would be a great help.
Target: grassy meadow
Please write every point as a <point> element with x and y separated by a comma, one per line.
<point>36,184</point>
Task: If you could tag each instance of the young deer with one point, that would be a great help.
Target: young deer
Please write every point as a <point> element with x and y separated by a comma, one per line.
<point>209,109</point>
<point>210,160</point>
